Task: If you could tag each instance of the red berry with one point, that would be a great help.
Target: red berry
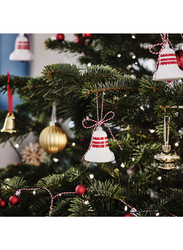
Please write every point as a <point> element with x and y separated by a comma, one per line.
<point>3,203</point>
<point>60,37</point>
<point>128,215</point>
<point>14,200</point>
<point>87,36</point>
<point>80,190</point>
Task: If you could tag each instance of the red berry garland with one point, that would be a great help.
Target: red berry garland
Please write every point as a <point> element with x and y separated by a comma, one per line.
<point>80,190</point>
<point>3,203</point>
<point>60,37</point>
<point>14,200</point>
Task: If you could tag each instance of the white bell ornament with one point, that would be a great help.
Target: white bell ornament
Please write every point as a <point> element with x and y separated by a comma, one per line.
<point>168,68</point>
<point>22,49</point>
<point>99,149</point>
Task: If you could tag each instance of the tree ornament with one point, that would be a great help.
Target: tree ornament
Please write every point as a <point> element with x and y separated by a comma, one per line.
<point>87,35</point>
<point>128,215</point>
<point>167,159</point>
<point>179,56</point>
<point>33,154</point>
<point>22,49</point>
<point>60,37</point>
<point>168,69</point>
<point>98,150</point>
<point>80,190</point>
<point>53,138</point>
<point>14,200</point>
<point>9,124</point>
<point>3,203</point>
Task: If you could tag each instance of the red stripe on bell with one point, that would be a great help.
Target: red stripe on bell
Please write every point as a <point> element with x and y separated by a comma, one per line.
<point>99,138</point>
<point>22,45</point>
<point>166,59</point>
<point>170,54</point>
<point>99,142</point>
<point>100,145</point>
<point>168,62</point>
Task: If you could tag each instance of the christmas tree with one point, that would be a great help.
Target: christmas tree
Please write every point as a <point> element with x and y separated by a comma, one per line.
<point>113,90</point>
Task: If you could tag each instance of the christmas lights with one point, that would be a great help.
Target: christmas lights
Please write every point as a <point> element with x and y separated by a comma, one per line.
<point>122,165</point>
<point>91,176</point>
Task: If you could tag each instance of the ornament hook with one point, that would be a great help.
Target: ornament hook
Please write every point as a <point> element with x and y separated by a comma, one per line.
<point>166,147</point>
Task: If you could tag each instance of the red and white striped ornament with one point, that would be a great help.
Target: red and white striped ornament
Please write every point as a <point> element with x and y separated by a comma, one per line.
<point>22,49</point>
<point>166,67</point>
<point>98,150</point>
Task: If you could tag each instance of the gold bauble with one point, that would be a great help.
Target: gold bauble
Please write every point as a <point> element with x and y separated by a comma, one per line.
<point>53,139</point>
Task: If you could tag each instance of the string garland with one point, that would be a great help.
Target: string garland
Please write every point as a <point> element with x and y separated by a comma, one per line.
<point>18,192</point>
<point>133,211</point>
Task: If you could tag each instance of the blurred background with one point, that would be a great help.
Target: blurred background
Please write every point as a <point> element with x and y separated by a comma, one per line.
<point>32,68</point>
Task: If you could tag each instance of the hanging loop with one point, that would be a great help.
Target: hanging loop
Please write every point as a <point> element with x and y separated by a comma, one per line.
<point>10,94</point>
<point>166,147</point>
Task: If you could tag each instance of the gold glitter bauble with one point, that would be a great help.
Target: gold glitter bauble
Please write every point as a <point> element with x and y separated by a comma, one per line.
<point>53,139</point>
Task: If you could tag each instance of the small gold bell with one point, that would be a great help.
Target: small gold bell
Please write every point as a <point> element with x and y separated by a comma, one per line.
<point>9,124</point>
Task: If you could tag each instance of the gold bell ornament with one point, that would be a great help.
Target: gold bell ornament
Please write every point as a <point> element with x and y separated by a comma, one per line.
<point>22,49</point>
<point>168,68</point>
<point>167,159</point>
<point>9,124</point>
<point>53,138</point>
